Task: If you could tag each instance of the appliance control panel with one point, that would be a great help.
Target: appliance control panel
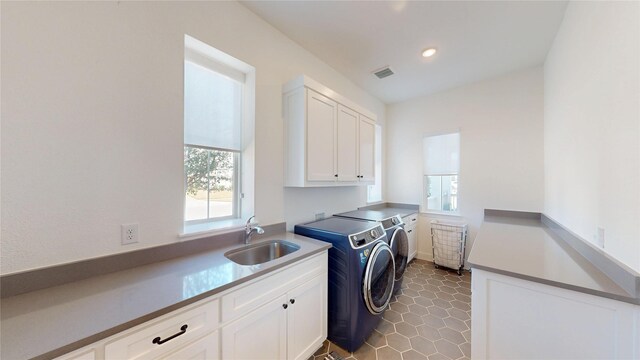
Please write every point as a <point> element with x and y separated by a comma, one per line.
<point>390,222</point>
<point>365,237</point>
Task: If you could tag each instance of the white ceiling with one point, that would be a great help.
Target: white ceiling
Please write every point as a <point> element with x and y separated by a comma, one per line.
<point>475,40</point>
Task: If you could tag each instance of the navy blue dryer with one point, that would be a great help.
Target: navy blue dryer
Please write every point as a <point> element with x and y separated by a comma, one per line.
<point>361,276</point>
<point>396,236</point>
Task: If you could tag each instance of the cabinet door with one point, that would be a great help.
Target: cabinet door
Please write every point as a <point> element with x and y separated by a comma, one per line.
<point>347,144</point>
<point>411,227</point>
<point>262,334</point>
<point>321,133</point>
<point>367,149</point>
<point>513,318</point>
<point>206,348</point>
<point>412,236</point>
<point>307,318</point>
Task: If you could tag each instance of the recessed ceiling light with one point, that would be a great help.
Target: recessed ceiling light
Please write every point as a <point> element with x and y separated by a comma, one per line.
<point>428,52</point>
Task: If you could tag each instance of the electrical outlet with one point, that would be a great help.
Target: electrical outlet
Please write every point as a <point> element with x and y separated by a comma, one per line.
<point>320,216</point>
<point>130,233</point>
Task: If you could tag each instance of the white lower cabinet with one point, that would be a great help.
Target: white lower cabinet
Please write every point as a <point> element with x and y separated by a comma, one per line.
<point>411,227</point>
<point>513,318</point>
<point>282,315</point>
<point>207,348</point>
<point>292,326</point>
<point>307,318</point>
<point>168,333</point>
<point>260,335</point>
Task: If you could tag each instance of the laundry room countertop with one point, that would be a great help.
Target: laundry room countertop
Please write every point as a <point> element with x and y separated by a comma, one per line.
<point>50,322</point>
<point>526,248</point>
<point>390,209</point>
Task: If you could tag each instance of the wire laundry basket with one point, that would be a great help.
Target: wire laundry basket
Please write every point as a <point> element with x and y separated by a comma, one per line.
<point>448,244</point>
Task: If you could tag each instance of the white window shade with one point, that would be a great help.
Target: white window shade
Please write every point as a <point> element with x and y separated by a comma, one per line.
<point>441,154</point>
<point>212,109</point>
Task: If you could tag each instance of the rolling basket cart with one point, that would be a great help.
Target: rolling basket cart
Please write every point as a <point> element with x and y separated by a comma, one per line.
<point>448,244</point>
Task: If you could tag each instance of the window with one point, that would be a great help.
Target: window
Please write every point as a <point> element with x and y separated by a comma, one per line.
<point>216,111</point>
<point>374,192</point>
<point>441,166</point>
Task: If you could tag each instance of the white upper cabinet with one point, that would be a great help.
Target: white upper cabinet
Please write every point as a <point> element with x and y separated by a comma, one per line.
<point>367,148</point>
<point>329,140</point>
<point>347,153</point>
<point>321,133</point>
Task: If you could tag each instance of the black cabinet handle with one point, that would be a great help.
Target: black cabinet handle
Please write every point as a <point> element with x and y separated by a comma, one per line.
<point>285,306</point>
<point>413,219</point>
<point>409,231</point>
<point>336,175</point>
<point>293,301</point>
<point>159,341</point>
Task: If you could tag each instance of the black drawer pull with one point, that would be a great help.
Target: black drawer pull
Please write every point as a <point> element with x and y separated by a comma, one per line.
<point>409,231</point>
<point>285,306</point>
<point>413,219</point>
<point>293,301</point>
<point>160,341</point>
<point>336,175</point>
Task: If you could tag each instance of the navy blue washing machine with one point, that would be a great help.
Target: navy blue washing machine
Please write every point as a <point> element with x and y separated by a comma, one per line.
<point>361,276</point>
<point>396,236</point>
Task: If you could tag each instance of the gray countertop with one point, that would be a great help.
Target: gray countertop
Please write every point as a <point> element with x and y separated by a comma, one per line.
<point>390,211</point>
<point>386,210</point>
<point>527,249</point>
<point>57,320</point>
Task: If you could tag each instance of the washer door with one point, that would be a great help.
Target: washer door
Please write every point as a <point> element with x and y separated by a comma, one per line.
<point>400,247</point>
<point>378,278</point>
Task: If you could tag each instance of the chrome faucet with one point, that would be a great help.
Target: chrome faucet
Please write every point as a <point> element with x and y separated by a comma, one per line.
<point>249,230</point>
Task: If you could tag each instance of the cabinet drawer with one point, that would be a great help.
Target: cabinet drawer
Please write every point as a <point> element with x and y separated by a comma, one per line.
<point>410,220</point>
<point>206,348</point>
<point>173,331</point>
<point>254,295</point>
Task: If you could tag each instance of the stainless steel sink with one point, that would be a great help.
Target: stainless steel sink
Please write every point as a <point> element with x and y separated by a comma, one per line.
<point>262,252</point>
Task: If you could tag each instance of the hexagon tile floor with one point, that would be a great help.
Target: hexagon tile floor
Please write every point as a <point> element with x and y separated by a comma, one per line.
<point>429,319</point>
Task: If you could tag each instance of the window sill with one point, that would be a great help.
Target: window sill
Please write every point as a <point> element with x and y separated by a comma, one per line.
<point>441,213</point>
<point>206,229</point>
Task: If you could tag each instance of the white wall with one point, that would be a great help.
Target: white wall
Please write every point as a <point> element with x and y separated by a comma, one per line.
<point>92,124</point>
<point>501,147</point>
<point>592,125</point>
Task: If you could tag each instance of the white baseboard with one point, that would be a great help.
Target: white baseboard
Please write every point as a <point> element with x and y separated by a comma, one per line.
<point>424,256</point>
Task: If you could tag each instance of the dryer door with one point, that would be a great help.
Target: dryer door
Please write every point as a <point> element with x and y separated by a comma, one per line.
<point>400,247</point>
<point>378,278</point>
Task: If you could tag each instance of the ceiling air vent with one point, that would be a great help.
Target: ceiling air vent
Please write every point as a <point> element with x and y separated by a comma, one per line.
<point>383,73</point>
